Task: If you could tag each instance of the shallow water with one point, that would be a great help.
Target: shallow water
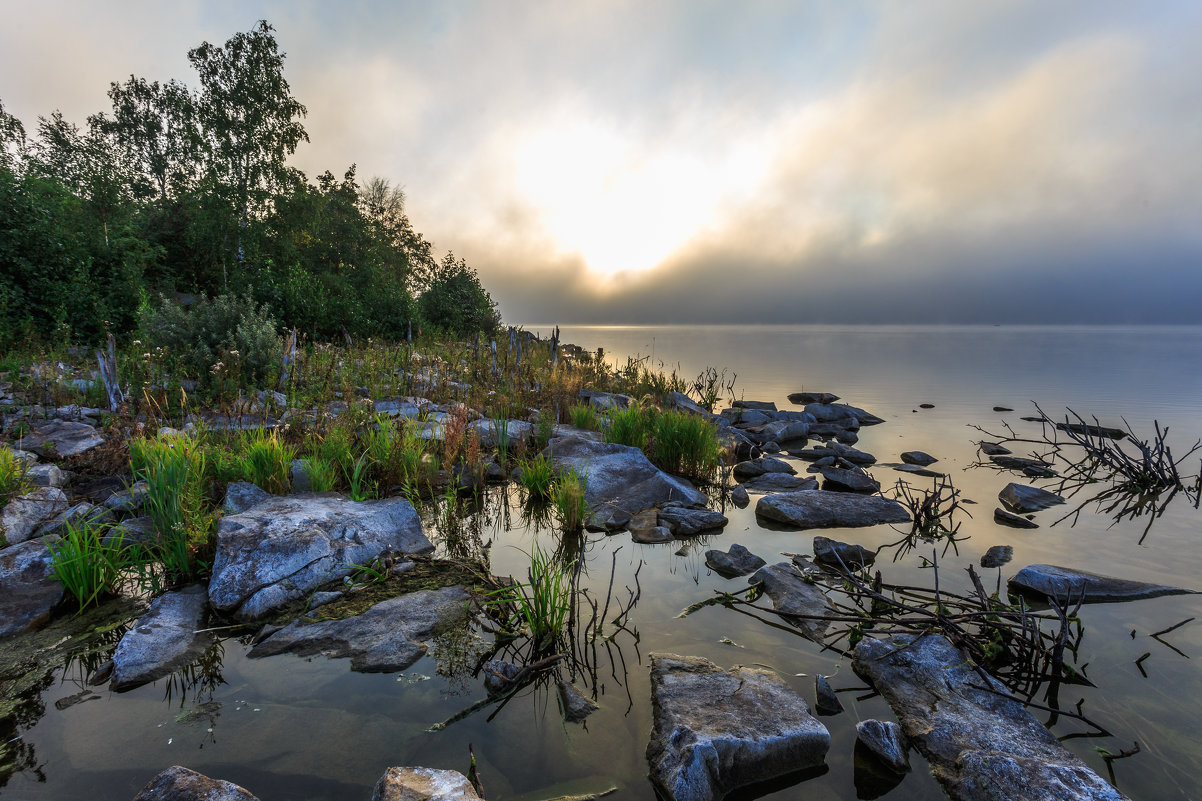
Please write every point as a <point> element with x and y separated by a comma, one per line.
<point>296,728</point>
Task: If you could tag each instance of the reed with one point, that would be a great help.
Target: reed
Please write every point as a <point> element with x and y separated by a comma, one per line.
<point>567,500</point>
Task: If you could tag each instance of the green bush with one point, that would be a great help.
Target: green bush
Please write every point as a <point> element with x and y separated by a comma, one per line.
<point>630,426</point>
<point>88,564</point>
<point>684,444</point>
<point>226,336</point>
<point>537,475</point>
<point>583,415</point>
<point>176,502</point>
<point>267,461</point>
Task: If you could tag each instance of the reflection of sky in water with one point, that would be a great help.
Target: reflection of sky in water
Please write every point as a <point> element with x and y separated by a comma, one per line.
<point>289,727</point>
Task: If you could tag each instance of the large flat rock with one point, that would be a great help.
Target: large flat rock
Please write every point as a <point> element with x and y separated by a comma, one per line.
<point>28,589</point>
<point>1067,585</point>
<point>423,784</point>
<point>715,730</point>
<point>62,438</point>
<point>180,784</point>
<point>799,601</point>
<point>1023,498</point>
<point>285,547</point>
<point>386,637</point>
<point>24,513</point>
<point>620,482</point>
<point>162,640</point>
<point>822,509</point>
<point>980,745</point>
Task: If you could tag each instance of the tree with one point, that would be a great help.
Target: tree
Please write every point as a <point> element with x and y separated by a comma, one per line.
<point>249,121</point>
<point>12,140</point>
<point>456,302</point>
<point>154,124</point>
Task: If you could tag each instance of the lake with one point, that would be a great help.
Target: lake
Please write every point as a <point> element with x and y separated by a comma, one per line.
<point>308,728</point>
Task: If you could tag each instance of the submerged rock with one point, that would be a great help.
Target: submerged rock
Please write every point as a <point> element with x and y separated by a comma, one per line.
<point>1023,464</point>
<point>794,595</point>
<point>573,704</point>
<point>738,561</point>
<point>384,638</point>
<point>162,640</point>
<point>980,744</point>
<point>739,497</point>
<point>180,784</point>
<point>24,513</point>
<point>993,449</point>
<point>780,482</point>
<point>715,730</point>
<point>1023,498</point>
<point>60,439</point>
<point>1002,517</point>
<point>423,784</point>
<point>821,509</point>
<point>1070,586</point>
<point>918,458</point>
<point>826,700</point>
<point>841,555</point>
<point>284,548</point>
<point>619,480</point>
<point>997,555</point>
<point>1098,432</point>
<point>884,740</point>
<point>839,480</point>
<point>28,588</point>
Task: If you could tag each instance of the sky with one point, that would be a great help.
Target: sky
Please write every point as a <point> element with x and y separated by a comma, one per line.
<point>729,162</point>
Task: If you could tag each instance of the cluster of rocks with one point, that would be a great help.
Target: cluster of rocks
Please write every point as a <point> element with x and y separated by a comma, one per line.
<point>397,784</point>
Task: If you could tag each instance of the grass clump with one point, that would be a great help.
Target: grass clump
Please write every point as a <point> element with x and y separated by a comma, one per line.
<point>88,564</point>
<point>323,476</point>
<point>177,503</point>
<point>267,461</point>
<point>583,415</point>
<point>537,476</point>
<point>567,500</point>
<point>685,444</point>
<point>539,607</point>
<point>13,476</point>
<point>630,426</point>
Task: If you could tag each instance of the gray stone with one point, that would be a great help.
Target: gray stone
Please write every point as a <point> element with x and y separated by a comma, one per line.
<point>284,548</point>
<point>826,700</point>
<point>162,640</point>
<point>838,451</point>
<point>28,588</point>
<point>1070,586</point>
<point>652,535</point>
<point>771,447</point>
<point>716,730</point>
<point>24,513</point>
<point>787,431</point>
<point>325,597</point>
<point>820,509</point>
<point>47,475</point>
<point>81,514</point>
<point>61,438</point>
<point>780,482</point>
<point>490,433</point>
<point>1098,432</point>
<point>423,784</point>
<point>299,476</point>
<point>837,480</point>
<point>980,744</point>
<point>806,398</point>
<point>683,403</point>
<point>915,470</point>
<point>760,466</point>
<point>993,449</point>
<point>690,522</point>
<point>604,401</point>
<point>1023,498</point>
<point>180,784</point>
<point>997,555</point>
<point>619,480</point>
<point>389,636</point>
<point>884,739</point>
<point>738,561</point>
<point>242,496</point>
<point>841,555</point>
<point>1023,464</point>
<point>918,458</point>
<point>796,597</point>
<point>499,675</point>
<point>828,412</point>
<point>739,497</point>
<point>573,704</point>
<point>747,417</point>
<point>128,500</point>
<point>1004,518</point>
<point>759,406</point>
<point>133,530</point>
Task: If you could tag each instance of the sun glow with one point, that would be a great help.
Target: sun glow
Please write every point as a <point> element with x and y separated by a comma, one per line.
<point>623,206</point>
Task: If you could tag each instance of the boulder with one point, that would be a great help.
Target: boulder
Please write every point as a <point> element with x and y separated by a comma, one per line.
<point>61,438</point>
<point>786,431</point>
<point>423,784</point>
<point>128,500</point>
<point>745,418</point>
<point>1023,498</point>
<point>683,403</point>
<point>1098,432</point>
<point>47,475</point>
<point>915,470</point>
<point>1023,464</point>
<point>841,555</point>
<point>918,458</point>
<point>242,496</point>
<point>387,637</point>
<point>716,730</point>
<point>284,548</point>
<point>619,480</point>
<point>604,401</point>
<point>738,561</point>
<point>806,398</point>
<point>821,509</point>
<point>760,466</point>
<point>132,530</point>
<point>838,451</point>
<point>28,588</point>
<point>885,741</point>
<point>780,482</point>
<point>796,597</point>
<point>685,522</point>
<point>837,480</point>
<point>739,496</point>
<point>162,640</point>
<point>180,784</point>
<point>78,515</point>
<point>828,412</point>
<point>574,706</point>
<point>299,476</point>
<point>24,513</point>
<point>997,555</point>
<point>1070,586</point>
<point>980,744</point>
<point>1004,518</point>
<point>489,431</point>
<point>652,535</point>
<point>499,675</point>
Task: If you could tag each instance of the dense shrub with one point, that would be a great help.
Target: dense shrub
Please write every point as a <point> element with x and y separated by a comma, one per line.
<point>228,329</point>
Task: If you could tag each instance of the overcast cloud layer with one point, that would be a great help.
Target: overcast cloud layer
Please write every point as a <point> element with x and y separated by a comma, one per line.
<point>732,162</point>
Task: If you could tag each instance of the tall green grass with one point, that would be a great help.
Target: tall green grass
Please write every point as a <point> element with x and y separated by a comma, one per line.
<point>678,442</point>
<point>567,500</point>
<point>583,415</point>
<point>267,460</point>
<point>630,426</point>
<point>177,503</point>
<point>323,476</point>
<point>13,477</point>
<point>536,476</point>
<point>88,565</point>
<point>541,606</point>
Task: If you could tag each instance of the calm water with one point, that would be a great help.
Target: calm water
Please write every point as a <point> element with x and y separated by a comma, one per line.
<point>293,728</point>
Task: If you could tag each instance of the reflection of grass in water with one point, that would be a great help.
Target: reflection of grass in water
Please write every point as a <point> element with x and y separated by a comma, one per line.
<point>456,652</point>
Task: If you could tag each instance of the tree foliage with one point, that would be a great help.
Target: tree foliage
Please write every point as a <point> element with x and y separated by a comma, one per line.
<point>176,189</point>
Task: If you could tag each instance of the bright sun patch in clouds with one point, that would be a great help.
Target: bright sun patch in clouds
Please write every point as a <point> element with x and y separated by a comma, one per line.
<point>622,205</point>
